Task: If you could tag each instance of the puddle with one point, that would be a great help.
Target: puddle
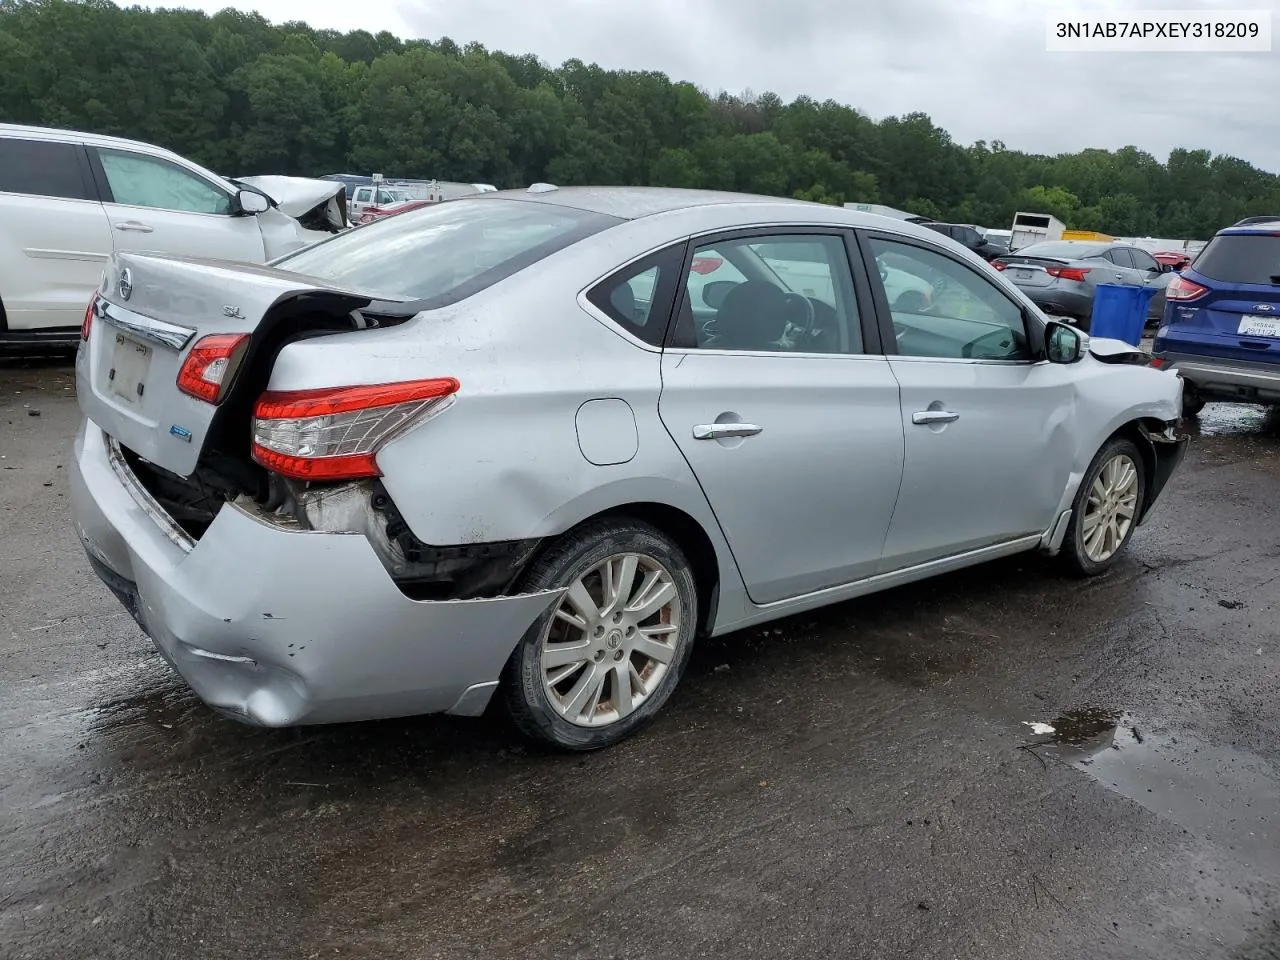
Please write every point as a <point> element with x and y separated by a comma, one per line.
<point>1215,791</point>
<point>1234,419</point>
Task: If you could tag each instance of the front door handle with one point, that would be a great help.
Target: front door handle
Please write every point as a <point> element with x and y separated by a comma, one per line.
<point>723,431</point>
<point>926,417</point>
<point>135,226</point>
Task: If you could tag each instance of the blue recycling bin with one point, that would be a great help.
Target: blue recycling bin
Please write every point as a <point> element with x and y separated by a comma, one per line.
<point>1120,312</point>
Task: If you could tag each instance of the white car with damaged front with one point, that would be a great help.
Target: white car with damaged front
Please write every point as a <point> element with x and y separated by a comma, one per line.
<point>498,446</point>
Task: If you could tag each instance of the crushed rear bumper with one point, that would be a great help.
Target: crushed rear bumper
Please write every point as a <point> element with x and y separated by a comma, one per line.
<point>281,627</point>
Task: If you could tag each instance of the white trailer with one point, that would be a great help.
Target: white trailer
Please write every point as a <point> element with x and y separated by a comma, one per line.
<point>1029,228</point>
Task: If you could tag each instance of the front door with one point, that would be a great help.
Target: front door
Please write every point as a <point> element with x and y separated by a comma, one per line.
<point>791,427</point>
<point>988,429</point>
<point>157,206</point>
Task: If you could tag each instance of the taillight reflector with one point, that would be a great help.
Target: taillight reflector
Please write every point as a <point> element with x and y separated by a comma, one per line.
<point>335,433</point>
<point>89,313</point>
<point>1067,273</point>
<point>1157,362</point>
<point>998,265</point>
<point>210,367</point>
<point>1180,288</point>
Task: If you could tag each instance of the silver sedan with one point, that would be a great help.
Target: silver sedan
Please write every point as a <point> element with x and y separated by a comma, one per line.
<point>529,446</point>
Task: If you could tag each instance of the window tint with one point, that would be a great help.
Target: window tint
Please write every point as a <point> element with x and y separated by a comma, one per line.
<point>141,181</point>
<point>638,298</point>
<point>1143,260</point>
<point>42,169</point>
<point>1120,257</point>
<point>448,251</point>
<point>1241,258</point>
<point>774,294</point>
<point>942,308</point>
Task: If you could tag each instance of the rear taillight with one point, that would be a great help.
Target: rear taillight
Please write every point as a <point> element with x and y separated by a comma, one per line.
<point>1067,273</point>
<point>90,312</point>
<point>1157,362</point>
<point>1180,288</point>
<point>998,265</point>
<point>211,365</point>
<point>336,433</point>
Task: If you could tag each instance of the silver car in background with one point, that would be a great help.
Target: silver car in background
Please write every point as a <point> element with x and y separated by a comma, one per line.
<point>534,444</point>
<point>1061,276</point>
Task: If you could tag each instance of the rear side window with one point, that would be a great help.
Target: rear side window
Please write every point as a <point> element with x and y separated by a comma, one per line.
<point>43,169</point>
<point>1241,258</point>
<point>638,298</point>
<point>446,252</point>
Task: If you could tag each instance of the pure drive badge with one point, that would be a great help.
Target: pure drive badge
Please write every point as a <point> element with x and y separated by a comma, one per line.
<point>182,433</point>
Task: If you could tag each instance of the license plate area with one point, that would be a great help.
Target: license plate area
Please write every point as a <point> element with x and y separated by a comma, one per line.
<point>1252,326</point>
<point>130,363</point>
<point>1023,274</point>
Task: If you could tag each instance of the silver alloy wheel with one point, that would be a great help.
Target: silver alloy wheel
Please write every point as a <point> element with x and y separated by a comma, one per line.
<point>1111,508</point>
<point>612,639</point>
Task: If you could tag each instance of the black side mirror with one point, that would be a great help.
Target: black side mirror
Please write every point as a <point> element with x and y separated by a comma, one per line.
<point>1063,344</point>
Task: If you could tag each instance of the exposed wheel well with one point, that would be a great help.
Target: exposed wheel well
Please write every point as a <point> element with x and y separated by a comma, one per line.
<point>1136,430</point>
<point>692,540</point>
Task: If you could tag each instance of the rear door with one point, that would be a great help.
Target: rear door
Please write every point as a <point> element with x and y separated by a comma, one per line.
<point>776,393</point>
<point>54,236</point>
<point>1238,317</point>
<point>157,206</point>
<point>983,420</point>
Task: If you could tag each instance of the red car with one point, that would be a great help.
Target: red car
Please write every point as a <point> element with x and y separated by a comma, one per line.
<point>1173,258</point>
<point>377,213</point>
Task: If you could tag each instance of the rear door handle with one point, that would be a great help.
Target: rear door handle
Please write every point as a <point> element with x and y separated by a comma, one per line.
<point>135,226</point>
<point>926,417</point>
<point>722,431</point>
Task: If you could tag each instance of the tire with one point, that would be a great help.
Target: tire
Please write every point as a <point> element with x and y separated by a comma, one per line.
<point>554,713</point>
<point>1192,402</point>
<point>1082,556</point>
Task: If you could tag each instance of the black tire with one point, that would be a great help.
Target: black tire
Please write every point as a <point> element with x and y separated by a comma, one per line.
<point>1073,553</point>
<point>574,555</point>
<point>1192,401</point>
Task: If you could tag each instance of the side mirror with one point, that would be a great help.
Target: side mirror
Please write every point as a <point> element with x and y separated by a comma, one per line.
<point>1063,344</point>
<point>252,203</point>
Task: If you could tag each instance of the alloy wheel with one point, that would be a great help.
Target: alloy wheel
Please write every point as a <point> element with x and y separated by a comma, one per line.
<point>1111,508</point>
<point>611,640</point>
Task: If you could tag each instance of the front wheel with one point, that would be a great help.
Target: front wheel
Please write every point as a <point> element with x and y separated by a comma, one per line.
<point>602,662</point>
<point>1106,508</point>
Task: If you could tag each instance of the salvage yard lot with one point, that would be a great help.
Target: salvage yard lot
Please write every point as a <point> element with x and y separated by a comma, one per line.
<point>857,782</point>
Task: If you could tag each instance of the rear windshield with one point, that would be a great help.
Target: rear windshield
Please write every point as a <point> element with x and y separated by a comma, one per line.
<point>448,251</point>
<point>1064,249</point>
<point>1242,258</point>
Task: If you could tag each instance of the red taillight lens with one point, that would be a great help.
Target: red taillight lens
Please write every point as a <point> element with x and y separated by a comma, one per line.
<point>1180,288</point>
<point>998,265</point>
<point>90,312</point>
<point>1157,362</point>
<point>336,433</point>
<point>1067,273</point>
<point>211,365</point>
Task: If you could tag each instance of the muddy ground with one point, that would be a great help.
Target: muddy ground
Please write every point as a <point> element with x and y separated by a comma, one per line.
<point>861,782</point>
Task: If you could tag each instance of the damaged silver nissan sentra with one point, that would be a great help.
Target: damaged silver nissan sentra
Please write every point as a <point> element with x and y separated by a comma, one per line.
<point>535,443</point>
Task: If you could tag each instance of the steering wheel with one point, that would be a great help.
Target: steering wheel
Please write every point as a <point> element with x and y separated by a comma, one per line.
<point>807,304</point>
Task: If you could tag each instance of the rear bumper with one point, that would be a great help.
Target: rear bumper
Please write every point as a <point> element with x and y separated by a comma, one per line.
<point>282,627</point>
<point>57,338</point>
<point>1060,302</point>
<point>1251,382</point>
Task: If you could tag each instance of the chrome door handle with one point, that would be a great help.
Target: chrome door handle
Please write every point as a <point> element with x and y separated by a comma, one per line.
<point>1119,276</point>
<point>925,417</point>
<point>722,431</point>
<point>134,225</point>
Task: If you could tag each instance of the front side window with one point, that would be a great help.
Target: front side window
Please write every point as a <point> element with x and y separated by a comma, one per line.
<point>446,252</point>
<point>42,168</point>
<point>137,180</point>
<point>1144,261</point>
<point>772,294</point>
<point>942,308</point>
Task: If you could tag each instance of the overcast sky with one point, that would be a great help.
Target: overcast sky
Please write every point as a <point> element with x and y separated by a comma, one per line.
<point>978,67</point>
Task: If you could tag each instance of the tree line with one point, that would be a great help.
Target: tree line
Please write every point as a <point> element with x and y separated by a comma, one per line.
<point>243,96</point>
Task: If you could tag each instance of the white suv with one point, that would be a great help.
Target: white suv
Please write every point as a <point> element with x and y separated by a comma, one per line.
<point>68,201</point>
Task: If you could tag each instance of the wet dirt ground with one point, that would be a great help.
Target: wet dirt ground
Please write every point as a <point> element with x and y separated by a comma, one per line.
<point>860,782</point>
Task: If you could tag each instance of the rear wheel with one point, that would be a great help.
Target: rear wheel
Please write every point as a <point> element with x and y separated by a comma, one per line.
<point>1192,401</point>
<point>1106,508</point>
<point>602,662</point>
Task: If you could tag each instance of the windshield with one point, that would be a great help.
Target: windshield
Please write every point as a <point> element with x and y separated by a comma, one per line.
<point>1241,258</point>
<point>1063,249</point>
<point>446,252</point>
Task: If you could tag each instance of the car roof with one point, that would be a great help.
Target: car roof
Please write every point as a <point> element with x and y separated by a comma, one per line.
<point>1253,229</point>
<point>52,133</point>
<point>634,203</point>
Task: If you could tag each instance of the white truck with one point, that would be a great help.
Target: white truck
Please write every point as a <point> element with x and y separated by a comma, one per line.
<point>1029,228</point>
<point>881,210</point>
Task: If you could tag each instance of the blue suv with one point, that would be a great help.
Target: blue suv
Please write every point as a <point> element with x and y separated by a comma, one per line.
<point>1221,327</point>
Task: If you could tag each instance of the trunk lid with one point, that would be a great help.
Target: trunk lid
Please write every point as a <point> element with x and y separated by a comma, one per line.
<point>153,310</point>
<point>1239,316</point>
<point>1030,271</point>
